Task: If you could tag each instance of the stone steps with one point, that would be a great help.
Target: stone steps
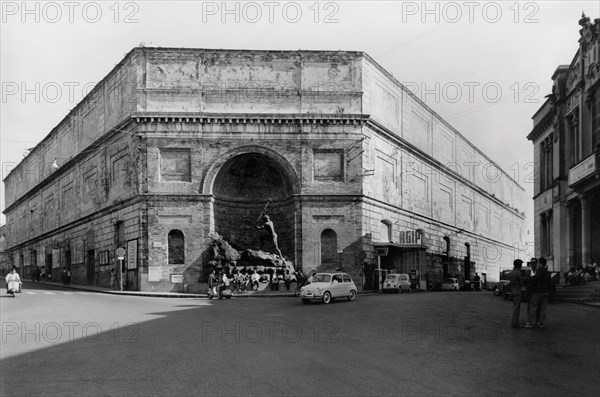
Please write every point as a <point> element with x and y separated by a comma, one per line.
<point>578,293</point>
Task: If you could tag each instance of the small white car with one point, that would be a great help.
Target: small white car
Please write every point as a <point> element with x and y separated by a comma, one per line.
<point>396,283</point>
<point>328,286</point>
<point>450,284</point>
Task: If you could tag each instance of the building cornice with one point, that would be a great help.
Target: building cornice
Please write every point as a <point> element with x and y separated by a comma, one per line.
<point>541,127</point>
<point>249,118</point>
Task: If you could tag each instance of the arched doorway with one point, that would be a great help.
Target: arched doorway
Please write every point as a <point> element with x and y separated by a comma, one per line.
<point>242,187</point>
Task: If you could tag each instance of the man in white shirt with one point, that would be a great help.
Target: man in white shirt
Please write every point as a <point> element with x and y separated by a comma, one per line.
<point>224,285</point>
<point>13,281</point>
<point>255,279</point>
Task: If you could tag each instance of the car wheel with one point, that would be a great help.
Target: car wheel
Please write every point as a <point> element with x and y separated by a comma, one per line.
<point>496,291</point>
<point>305,301</point>
<point>352,295</point>
<point>326,297</point>
<point>399,290</point>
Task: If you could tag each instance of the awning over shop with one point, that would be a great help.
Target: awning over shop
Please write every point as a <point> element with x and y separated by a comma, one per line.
<point>401,247</point>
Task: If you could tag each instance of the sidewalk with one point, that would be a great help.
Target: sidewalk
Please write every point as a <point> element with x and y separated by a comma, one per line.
<point>103,290</point>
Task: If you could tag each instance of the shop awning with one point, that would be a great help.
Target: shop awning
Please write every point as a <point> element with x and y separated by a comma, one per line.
<point>401,247</point>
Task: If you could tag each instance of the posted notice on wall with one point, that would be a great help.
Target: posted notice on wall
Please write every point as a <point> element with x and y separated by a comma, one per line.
<point>154,273</point>
<point>132,254</point>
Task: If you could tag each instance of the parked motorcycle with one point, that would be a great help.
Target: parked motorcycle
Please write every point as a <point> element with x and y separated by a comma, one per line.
<point>213,293</point>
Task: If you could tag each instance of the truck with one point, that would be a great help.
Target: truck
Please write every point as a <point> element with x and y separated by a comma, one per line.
<point>434,281</point>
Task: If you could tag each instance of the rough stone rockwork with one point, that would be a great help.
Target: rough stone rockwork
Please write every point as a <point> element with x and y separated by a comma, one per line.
<point>176,144</point>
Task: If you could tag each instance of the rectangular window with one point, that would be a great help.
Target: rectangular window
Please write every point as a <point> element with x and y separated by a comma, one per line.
<point>595,119</point>
<point>328,165</point>
<point>176,165</point>
<point>575,138</point>
<point>546,235</point>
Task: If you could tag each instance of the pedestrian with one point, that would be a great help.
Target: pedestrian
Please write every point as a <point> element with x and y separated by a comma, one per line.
<point>540,292</point>
<point>312,275</point>
<point>63,275</point>
<point>223,285</point>
<point>528,286</point>
<point>274,280</point>
<point>239,281</point>
<point>477,282</point>
<point>212,282</point>
<point>517,287</point>
<point>13,282</point>
<point>69,276</point>
<point>287,279</point>
<point>255,278</point>
<point>43,273</point>
<point>113,279</point>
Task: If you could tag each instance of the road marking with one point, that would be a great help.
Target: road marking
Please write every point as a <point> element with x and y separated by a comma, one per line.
<point>66,293</point>
<point>48,292</point>
<point>30,293</point>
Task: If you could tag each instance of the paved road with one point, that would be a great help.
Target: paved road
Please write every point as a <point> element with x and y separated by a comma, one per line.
<point>59,342</point>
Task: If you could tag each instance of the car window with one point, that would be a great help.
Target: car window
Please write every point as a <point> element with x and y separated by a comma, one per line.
<point>449,281</point>
<point>347,279</point>
<point>322,278</point>
<point>403,277</point>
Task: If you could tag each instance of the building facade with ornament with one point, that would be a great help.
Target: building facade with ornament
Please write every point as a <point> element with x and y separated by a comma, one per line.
<point>176,146</point>
<point>566,139</point>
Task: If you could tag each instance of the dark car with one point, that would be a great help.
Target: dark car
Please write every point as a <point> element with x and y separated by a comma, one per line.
<point>506,292</point>
<point>498,289</point>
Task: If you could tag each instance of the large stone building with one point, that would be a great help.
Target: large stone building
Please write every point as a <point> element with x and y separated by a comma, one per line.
<point>566,139</point>
<point>175,144</point>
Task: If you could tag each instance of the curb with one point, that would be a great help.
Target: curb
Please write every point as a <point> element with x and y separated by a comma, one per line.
<point>173,294</point>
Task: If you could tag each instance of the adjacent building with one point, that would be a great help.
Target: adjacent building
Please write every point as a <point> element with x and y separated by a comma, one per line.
<point>566,139</point>
<point>4,262</point>
<point>177,144</point>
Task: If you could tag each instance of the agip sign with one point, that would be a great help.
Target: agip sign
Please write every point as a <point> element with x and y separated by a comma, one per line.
<point>411,237</point>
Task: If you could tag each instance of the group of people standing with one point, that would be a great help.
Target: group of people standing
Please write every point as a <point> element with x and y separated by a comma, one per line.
<point>242,280</point>
<point>39,274</point>
<point>533,288</point>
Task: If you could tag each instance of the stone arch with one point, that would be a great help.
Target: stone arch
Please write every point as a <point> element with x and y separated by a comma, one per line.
<point>290,172</point>
<point>241,183</point>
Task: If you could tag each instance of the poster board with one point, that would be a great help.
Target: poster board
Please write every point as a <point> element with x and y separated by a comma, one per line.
<point>132,254</point>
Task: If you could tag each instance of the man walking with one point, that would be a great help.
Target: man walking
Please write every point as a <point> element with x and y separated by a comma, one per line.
<point>540,291</point>
<point>517,286</point>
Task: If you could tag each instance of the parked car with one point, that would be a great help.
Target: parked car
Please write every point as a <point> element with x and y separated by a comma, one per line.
<point>395,282</point>
<point>450,284</point>
<point>499,288</point>
<point>328,286</point>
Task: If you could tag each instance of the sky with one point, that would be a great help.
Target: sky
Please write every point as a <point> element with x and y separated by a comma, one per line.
<point>484,66</point>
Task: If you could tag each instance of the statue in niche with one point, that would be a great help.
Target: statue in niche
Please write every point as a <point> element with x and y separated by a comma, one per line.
<point>270,228</point>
